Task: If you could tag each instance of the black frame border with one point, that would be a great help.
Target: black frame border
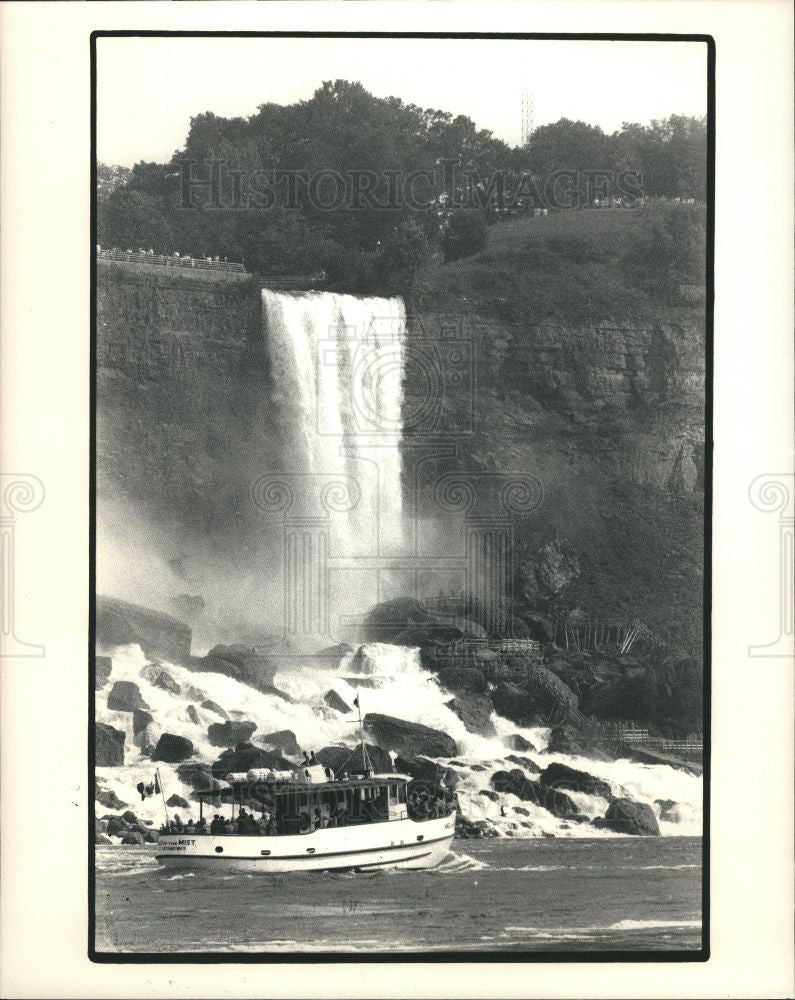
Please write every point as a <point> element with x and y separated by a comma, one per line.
<point>280,958</point>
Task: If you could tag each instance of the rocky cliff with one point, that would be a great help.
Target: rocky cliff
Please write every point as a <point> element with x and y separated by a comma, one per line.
<point>607,414</point>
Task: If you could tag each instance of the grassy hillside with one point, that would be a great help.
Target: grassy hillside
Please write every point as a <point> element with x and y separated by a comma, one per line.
<point>575,266</point>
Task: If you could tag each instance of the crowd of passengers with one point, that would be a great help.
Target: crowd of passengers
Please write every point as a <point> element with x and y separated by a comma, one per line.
<point>421,805</point>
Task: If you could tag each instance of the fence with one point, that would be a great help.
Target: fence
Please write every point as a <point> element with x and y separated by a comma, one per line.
<point>163,260</point>
<point>603,633</point>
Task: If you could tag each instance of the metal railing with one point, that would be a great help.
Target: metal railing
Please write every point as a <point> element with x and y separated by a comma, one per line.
<point>164,260</point>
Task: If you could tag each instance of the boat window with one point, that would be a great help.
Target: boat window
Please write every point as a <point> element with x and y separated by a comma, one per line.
<point>393,793</point>
<point>401,793</point>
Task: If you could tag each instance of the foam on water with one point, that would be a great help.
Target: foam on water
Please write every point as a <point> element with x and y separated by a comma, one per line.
<point>406,691</point>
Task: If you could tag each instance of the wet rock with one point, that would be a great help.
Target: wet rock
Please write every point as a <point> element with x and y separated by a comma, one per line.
<point>125,696</point>
<point>668,810</point>
<point>108,798</point>
<point>409,738</point>
<point>102,669</point>
<point>335,653</point>
<point>462,679</point>
<point>193,715</point>
<point>213,706</point>
<point>569,739</point>
<point>518,742</point>
<point>198,776</point>
<point>172,748</point>
<point>108,746</point>
<point>284,740</point>
<point>245,756</point>
<point>634,818</point>
<point>176,801</point>
<point>147,739</point>
<point>133,837</point>
<point>423,769</point>
<point>478,767</point>
<point>165,681</point>
<point>129,816</point>
<point>552,799</point>
<point>522,811</point>
<point>161,637</point>
<point>467,829</point>
<point>116,826</point>
<point>229,734</point>
<point>336,757</point>
<point>474,710</point>
<point>561,776</point>
<point>333,700</point>
<point>141,719</point>
<point>525,762</point>
<point>487,792</point>
<point>151,836</point>
<point>241,662</point>
<point>102,839</point>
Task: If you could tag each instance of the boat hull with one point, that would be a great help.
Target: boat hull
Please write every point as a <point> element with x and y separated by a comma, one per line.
<point>400,844</point>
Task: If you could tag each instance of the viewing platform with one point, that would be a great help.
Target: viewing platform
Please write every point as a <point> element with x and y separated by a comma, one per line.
<point>184,266</point>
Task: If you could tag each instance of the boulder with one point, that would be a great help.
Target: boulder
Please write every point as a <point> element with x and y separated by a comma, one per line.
<point>409,737</point>
<point>147,739</point>
<point>342,759</point>
<point>176,801</point>
<point>102,668</point>
<point>229,734</point>
<point>151,836</point>
<point>172,748</point>
<point>133,837</point>
<point>561,776</point>
<point>335,653</point>
<point>167,683</point>
<point>634,818</point>
<point>487,792</point>
<point>668,810</point>
<point>129,816</point>
<point>467,829</point>
<point>198,776</point>
<point>525,762</point>
<point>333,700</point>
<point>241,662</point>
<point>284,740</point>
<point>518,742</point>
<point>125,696</point>
<point>116,826</point>
<point>213,706</point>
<point>161,637</point>
<point>141,720</point>
<point>422,769</point>
<point>474,710</point>
<point>102,839</point>
<point>108,746</point>
<point>195,694</point>
<point>569,739</point>
<point>460,679</point>
<point>108,798</point>
<point>193,715</point>
<point>515,703</point>
<point>246,756</point>
<point>552,799</point>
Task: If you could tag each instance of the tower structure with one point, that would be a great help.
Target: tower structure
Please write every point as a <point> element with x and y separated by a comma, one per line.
<point>527,117</point>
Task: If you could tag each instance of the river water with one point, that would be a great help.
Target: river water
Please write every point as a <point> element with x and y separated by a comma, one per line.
<point>496,895</point>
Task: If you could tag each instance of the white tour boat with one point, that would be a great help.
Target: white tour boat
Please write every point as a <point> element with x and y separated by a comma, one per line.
<point>307,820</point>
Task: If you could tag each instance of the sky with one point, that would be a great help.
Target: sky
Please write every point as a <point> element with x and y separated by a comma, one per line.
<point>148,88</point>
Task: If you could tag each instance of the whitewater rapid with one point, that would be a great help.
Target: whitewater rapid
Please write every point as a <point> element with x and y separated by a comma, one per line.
<point>397,685</point>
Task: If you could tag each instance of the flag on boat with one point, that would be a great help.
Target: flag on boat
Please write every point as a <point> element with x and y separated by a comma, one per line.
<point>356,701</point>
<point>146,790</point>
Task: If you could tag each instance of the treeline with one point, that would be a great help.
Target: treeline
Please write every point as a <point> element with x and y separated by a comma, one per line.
<point>369,189</point>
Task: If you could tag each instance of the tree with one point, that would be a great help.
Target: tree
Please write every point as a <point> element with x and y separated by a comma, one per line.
<point>465,235</point>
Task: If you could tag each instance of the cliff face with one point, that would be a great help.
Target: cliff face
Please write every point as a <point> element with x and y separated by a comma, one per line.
<point>183,418</point>
<point>608,416</point>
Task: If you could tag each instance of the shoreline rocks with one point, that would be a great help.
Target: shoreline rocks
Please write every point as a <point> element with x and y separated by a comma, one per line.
<point>172,748</point>
<point>410,738</point>
<point>108,746</point>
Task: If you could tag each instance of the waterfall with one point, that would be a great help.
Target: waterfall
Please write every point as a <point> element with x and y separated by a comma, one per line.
<point>337,366</point>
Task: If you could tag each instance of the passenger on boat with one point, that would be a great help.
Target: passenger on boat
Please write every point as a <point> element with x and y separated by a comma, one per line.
<point>201,825</point>
<point>320,821</point>
<point>177,825</point>
<point>312,758</point>
<point>217,824</point>
<point>304,822</point>
<point>306,759</point>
